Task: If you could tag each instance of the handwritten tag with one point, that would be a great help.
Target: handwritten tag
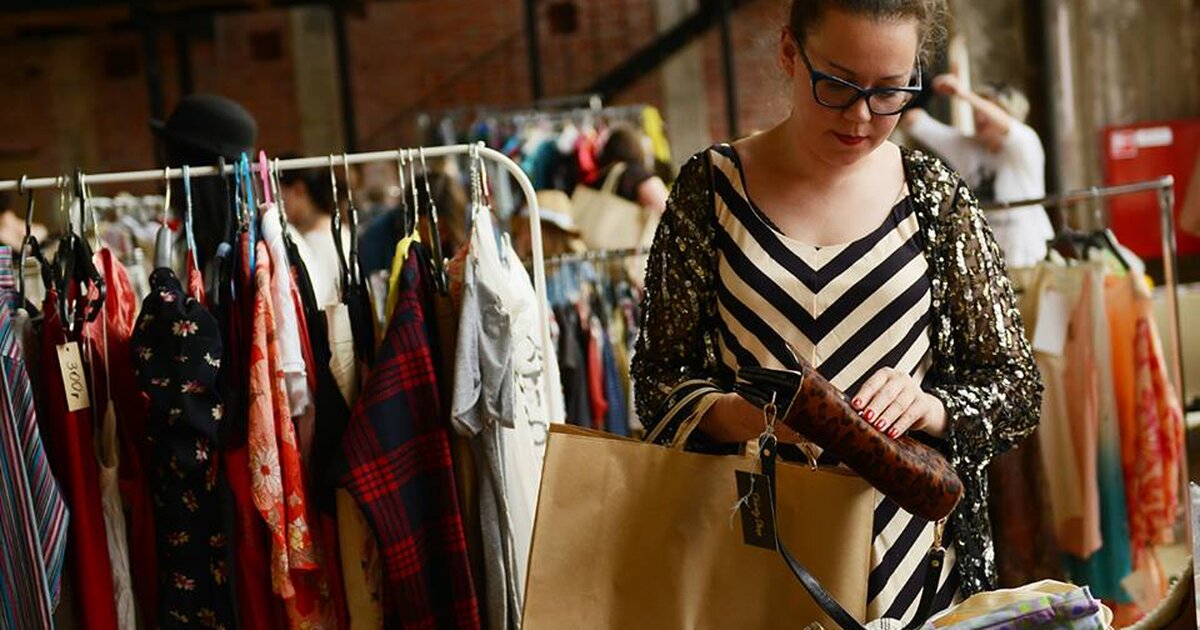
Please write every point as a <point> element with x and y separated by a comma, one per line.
<point>73,375</point>
<point>1053,318</point>
<point>758,523</point>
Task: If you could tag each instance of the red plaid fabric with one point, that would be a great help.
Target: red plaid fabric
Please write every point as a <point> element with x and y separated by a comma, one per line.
<point>398,468</point>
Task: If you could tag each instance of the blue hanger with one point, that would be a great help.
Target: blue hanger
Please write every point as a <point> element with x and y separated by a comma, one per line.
<point>251,213</point>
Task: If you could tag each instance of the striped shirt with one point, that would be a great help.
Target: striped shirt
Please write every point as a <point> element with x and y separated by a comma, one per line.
<point>33,515</point>
<point>847,310</point>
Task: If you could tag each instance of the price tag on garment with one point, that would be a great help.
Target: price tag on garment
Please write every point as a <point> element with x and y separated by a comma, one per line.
<point>1053,319</point>
<point>758,523</point>
<point>73,375</point>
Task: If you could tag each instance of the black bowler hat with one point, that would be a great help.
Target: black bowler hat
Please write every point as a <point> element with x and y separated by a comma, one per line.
<point>210,123</point>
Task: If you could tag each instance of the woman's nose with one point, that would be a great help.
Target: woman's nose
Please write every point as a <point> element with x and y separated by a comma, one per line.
<point>858,111</point>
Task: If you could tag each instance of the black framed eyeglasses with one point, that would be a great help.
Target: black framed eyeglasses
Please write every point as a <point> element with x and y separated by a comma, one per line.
<point>834,93</point>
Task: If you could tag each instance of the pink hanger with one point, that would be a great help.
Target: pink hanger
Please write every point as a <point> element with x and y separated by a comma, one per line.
<point>264,173</point>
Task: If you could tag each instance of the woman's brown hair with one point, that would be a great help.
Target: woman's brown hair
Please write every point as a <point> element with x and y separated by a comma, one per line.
<point>930,16</point>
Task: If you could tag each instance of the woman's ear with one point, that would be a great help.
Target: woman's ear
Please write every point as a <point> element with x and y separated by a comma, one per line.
<point>788,51</point>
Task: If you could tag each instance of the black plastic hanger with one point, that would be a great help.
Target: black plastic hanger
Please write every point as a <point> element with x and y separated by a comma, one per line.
<point>277,190</point>
<point>30,245</point>
<point>441,280</point>
<point>352,260</point>
<point>343,271</point>
<point>74,268</point>
<point>408,222</point>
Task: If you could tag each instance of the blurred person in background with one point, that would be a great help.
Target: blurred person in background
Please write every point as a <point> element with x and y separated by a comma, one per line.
<point>308,202</point>
<point>1003,161</point>
<point>378,239</point>
<point>638,184</point>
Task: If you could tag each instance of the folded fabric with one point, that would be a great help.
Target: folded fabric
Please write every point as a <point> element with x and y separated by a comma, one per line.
<point>1046,604</point>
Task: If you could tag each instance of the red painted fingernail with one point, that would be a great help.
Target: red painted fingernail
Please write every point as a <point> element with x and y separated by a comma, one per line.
<point>894,434</point>
<point>868,415</point>
<point>857,403</point>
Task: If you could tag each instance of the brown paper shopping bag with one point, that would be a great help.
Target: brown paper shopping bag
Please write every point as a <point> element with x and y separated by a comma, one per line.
<point>633,535</point>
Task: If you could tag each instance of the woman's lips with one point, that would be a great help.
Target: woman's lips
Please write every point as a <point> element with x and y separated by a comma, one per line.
<point>849,140</point>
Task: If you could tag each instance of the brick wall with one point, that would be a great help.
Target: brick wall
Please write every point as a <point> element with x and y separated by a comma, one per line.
<point>82,99</point>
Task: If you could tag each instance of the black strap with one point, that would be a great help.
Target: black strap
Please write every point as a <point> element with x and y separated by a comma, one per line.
<point>824,599</point>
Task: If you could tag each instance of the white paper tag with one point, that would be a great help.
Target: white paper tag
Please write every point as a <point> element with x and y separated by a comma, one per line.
<point>1054,316</point>
<point>73,375</point>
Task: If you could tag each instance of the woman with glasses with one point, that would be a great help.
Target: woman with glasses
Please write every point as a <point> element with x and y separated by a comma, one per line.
<point>820,242</point>
<point>1002,161</point>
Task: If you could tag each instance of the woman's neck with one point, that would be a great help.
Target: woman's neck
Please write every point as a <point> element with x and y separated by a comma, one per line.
<point>316,221</point>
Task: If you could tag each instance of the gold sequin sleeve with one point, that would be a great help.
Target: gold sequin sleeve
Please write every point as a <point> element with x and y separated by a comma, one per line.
<point>984,370</point>
<point>675,367</point>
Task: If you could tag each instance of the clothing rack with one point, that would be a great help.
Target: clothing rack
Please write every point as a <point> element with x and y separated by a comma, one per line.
<point>599,255</point>
<point>539,267</point>
<point>1165,189</point>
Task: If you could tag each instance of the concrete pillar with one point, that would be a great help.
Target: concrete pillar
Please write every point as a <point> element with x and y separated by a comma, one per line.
<point>318,102</point>
<point>71,94</point>
<point>685,94</point>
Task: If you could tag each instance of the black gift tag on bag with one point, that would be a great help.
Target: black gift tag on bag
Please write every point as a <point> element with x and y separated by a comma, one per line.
<point>758,520</point>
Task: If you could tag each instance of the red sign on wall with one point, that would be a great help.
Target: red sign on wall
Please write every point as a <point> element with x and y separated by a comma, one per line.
<point>1148,151</point>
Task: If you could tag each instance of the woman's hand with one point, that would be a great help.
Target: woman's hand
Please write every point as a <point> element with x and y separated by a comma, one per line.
<point>894,402</point>
<point>947,85</point>
<point>733,419</point>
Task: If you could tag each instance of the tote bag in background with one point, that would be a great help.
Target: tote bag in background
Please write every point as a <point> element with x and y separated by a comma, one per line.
<point>608,221</point>
<point>634,535</point>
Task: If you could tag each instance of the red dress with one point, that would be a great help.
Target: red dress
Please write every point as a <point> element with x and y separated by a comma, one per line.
<point>70,444</point>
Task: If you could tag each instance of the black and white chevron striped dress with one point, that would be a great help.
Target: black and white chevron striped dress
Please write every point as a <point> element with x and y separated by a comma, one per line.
<point>847,310</point>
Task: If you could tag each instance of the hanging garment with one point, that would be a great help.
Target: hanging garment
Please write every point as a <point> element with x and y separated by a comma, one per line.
<point>33,512</point>
<point>177,351</point>
<point>195,281</point>
<point>574,366</point>
<point>116,391</point>
<point>1151,421</point>
<point>343,530</point>
<point>114,519</point>
<point>1098,543</point>
<point>276,470</point>
<point>466,473</point>
<point>250,552</point>
<point>70,442</point>
<point>397,425</point>
<point>1069,427</point>
<point>291,357</point>
<point>323,522</point>
<point>595,365</point>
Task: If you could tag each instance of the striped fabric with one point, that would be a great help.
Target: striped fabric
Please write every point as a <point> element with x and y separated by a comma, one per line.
<point>847,310</point>
<point>33,515</point>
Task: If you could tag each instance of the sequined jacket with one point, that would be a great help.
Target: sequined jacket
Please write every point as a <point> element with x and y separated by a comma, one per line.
<point>983,368</point>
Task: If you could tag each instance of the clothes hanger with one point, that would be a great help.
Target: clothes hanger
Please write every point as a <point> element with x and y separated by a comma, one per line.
<point>264,174</point>
<point>162,240</point>
<point>408,225</point>
<point>416,200</point>
<point>343,272</point>
<point>441,280</point>
<point>74,267</point>
<point>189,233</point>
<point>250,211</point>
<point>277,190</point>
<point>352,260</point>
<point>30,244</point>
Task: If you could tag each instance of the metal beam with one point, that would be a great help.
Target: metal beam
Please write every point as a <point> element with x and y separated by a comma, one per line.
<point>183,58</point>
<point>651,56</point>
<point>345,79</point>
<point>148,27</point>
<point>532,43</point>
<point>731,105</point>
